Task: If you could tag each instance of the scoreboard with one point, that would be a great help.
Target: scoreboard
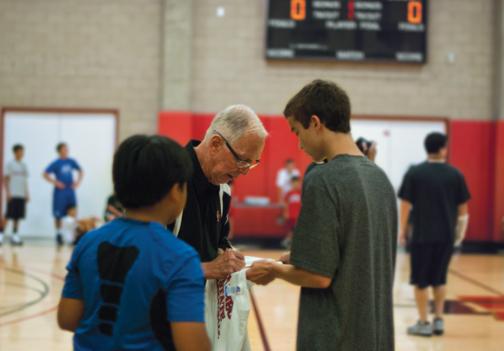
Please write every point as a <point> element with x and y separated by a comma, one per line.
<point>347,30</point>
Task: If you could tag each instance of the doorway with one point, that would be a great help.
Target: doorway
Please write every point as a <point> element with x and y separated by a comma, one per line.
<point>91,136</point>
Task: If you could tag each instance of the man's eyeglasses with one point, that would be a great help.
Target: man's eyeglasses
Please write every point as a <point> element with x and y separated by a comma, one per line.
<point>240,163</point>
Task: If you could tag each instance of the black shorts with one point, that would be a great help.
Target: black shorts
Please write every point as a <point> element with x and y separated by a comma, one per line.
<point>429,264</point>
<point>16,208</point>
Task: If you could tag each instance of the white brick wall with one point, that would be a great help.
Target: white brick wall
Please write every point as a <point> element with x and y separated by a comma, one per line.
<point>229,65</point>
<point>109,54</point>
<point>83,53</point>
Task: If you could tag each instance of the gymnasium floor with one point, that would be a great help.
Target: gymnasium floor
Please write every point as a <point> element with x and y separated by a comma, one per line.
<point>31,278</point>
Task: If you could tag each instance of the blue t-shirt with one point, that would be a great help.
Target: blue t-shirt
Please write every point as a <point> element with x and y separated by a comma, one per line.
<point>134,278</point>
<point>63,169</point>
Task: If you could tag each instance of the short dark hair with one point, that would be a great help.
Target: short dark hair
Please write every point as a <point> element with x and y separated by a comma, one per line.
<point>434,142</point>
<point>60,146</point>
<point>145,169</point>
<point>17,147</point>
<point>324,99</point>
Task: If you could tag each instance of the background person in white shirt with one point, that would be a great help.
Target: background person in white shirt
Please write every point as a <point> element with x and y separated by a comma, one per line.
<point>284,176</point>
<point>16,188</point>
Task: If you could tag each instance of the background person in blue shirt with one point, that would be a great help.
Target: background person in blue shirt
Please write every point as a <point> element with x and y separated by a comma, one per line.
<point>64,186</point>
<point>131,284</point>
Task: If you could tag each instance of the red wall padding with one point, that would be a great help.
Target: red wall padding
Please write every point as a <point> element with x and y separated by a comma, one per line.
<point>177,125</point>
<point>498,232</point>
<point>472,151</point>
<point>280,145</point>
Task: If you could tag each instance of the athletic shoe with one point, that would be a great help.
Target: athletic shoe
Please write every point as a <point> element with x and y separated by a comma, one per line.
<point>16,240</point>
<point>438,328</point>
<point>420,329</point>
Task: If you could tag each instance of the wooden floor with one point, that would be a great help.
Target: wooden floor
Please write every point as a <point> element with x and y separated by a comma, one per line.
<point>31,278</point>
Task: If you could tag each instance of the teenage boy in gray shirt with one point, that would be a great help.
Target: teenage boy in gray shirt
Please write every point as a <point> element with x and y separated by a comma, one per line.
<point>344,243</point>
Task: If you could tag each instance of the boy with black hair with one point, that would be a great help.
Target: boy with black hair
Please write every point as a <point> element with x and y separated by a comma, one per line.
<point>64,185</point>
<point>344,242</point>
<point>16,188</point>
<point>131,284</point>
<point>438,195</point>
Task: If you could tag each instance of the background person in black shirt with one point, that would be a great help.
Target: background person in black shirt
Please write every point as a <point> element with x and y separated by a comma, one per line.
<point>232,146</point>
<point>438,194</point>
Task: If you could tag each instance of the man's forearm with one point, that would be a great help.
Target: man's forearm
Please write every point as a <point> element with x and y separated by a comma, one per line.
<point>206,268</point>
<point>210,271</point>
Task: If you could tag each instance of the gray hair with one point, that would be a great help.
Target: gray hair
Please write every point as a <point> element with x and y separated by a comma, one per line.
<point>235,121</point>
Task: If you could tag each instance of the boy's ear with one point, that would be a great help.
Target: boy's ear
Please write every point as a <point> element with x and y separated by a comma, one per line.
<point>315,121</point>
<point>177,190</point>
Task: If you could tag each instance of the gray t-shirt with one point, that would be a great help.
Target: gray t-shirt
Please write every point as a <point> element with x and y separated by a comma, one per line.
<point>18,178</point>
<point>347,231</point>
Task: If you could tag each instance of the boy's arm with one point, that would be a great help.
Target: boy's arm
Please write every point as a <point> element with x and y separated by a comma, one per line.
<point>27,198</point>
<point>404,212</point>
<point>462,223</point>
<point>186,305</point>
<point>54,181</point>
<point>6,184</point>
<point>80,175</point>
<point>70,312</point>
<point>268,271</point>
<point>190,336</point>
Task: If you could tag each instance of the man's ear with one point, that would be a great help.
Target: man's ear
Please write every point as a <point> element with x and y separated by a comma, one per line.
<point>216,143</point>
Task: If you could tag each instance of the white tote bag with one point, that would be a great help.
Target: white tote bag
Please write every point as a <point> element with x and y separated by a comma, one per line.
<point>227,307</point>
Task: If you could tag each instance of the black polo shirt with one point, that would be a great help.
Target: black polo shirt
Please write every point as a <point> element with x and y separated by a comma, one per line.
<point>435,190</point>
<point>203,225</point>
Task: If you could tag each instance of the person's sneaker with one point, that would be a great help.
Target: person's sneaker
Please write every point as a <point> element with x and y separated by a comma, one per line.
<point>420,329</point>
<point>16,240</point>
<point>438,326</point>
<point>59,239</point>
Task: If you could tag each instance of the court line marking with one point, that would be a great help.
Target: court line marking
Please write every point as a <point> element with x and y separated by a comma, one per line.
<point>16,307</point>
<point>476,283</point>
<point>262,330</point>
<point>42,313</point>
<point>42,293</point>
<point>452,271</point>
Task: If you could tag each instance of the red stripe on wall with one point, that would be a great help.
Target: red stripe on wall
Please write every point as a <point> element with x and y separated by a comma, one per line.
<point>471,151</point>
<point>474,149</point>
<point>498,232</point>
<point>176,125</point>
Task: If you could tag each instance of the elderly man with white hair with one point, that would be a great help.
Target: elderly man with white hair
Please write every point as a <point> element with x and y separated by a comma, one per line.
<point>232,146</point>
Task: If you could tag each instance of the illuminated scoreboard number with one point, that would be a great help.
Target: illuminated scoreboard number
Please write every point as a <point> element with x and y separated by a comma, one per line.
<point>348,30</point>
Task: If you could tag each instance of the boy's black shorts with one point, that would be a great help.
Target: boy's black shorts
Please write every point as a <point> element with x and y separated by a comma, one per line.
<point>16,208</point>
<point>429,263</point>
